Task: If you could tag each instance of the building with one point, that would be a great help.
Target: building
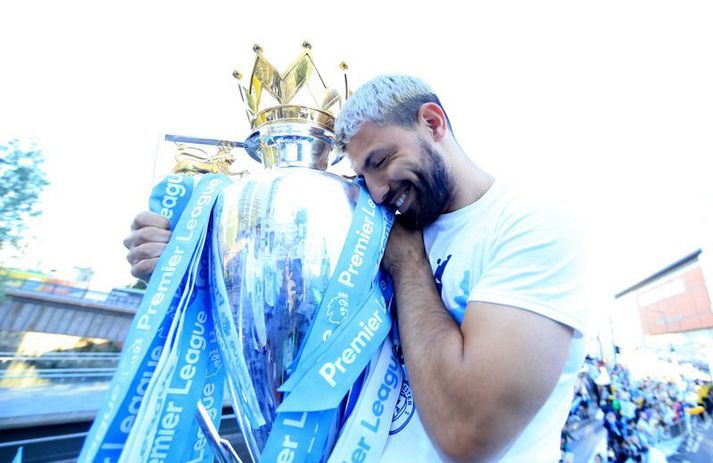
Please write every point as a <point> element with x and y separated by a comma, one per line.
<point>670,312</point>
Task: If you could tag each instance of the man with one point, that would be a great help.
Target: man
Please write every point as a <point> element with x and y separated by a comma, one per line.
<point>492,345</point>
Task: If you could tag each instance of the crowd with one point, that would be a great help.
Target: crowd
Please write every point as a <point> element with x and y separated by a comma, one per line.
<point>638,414</point>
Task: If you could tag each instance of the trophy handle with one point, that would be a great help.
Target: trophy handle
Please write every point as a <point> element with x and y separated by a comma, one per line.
<point>224,452</point>
<point>251,145</point>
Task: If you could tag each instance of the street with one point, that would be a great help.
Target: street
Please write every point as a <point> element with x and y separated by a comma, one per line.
<point>697,447</point>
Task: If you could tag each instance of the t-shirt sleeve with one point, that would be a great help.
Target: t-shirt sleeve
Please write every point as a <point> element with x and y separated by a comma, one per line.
<point>535,262</point>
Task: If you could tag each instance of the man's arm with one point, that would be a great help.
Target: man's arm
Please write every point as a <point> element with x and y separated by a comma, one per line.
<point>477,385</point>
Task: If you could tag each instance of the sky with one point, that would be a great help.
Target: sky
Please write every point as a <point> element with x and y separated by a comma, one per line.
<point>607,106</point>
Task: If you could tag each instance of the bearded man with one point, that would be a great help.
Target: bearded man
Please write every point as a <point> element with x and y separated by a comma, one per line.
<point>488,286</point>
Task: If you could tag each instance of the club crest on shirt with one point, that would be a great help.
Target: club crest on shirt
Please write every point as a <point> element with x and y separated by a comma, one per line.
<point>404,409</point>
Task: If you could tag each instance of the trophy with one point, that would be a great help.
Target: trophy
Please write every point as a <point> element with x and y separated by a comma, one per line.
<point>270,280</point>
<point>277,235</point>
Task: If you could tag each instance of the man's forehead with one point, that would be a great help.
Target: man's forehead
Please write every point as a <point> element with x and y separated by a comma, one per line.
<point>364,134</point>
<point>368,137</point>
<point>358,145</point>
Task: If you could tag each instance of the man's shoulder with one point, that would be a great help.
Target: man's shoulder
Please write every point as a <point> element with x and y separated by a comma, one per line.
<point>517,202</point>
<point>529,220</point>
<point>535,260</point>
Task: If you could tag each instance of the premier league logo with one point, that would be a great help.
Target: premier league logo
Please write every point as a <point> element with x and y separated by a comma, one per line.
<point>338,308</point>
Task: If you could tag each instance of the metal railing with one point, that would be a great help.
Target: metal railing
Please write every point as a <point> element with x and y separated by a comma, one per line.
<point>58,373</point>
<point>55,367</point>
<point>80,356</point>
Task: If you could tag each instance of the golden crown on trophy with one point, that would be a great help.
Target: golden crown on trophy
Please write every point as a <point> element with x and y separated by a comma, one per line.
<point>299,94</point>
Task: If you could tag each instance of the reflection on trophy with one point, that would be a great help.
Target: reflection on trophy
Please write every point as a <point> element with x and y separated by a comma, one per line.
<point>279,234</point>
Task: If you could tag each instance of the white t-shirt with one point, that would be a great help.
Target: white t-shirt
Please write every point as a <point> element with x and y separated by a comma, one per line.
<point>504,249</point>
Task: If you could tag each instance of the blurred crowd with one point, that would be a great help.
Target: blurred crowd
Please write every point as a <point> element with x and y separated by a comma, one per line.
<point>638,415</point>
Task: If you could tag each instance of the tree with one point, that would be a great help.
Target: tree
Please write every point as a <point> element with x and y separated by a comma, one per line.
<point>21,181</point>
<point>137,284</point>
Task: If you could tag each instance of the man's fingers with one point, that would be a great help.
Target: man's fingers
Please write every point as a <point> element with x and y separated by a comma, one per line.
<point>145,251</point>
<point>149,219</point>
<point>152,235</point>
<point>148,238</point>
<point>147,235</point>
<point>143,269</point>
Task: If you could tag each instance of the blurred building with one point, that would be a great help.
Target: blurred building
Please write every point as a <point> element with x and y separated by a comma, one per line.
<point>669,312</point>
<point>49,313</point>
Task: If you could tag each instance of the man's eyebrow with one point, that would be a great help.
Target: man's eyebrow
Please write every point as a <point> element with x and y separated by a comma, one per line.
<point>376,153</point>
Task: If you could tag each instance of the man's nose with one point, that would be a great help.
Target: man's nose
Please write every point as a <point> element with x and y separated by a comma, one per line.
<point>377,189</point>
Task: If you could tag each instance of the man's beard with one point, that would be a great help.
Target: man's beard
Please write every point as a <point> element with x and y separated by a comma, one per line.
<point>432,191</point>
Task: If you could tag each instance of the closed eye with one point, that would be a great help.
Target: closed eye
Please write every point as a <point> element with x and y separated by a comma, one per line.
<point>377,158</point>
<point>381,162</point>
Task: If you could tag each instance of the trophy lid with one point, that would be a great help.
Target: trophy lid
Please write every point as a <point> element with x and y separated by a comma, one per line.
<point>299,94</point>
<point>292,113</point>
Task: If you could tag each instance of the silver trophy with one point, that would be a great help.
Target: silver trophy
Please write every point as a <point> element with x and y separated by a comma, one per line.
<point>277,237</point>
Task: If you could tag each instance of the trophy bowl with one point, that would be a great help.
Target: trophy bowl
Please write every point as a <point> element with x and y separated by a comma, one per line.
<point>279,234</point>
<point>277,237</point>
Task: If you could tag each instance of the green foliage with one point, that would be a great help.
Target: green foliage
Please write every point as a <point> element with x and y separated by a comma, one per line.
<point>21,182</point>
<point>138,284</point>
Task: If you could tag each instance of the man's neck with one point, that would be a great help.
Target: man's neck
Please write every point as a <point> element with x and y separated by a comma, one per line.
<point>468,182</point>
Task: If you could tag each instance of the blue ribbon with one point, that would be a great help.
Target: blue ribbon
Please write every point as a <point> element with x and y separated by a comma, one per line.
<point>171,196</point>
<point>154,326</point>
<point>192,372</point>
<point>333,369</point>
<point>364,434</point>
<point>171,356</point>
<point>352,320</point>
<point>351,324</point>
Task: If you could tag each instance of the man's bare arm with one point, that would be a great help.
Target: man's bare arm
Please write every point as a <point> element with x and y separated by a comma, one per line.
<point>476,385</point>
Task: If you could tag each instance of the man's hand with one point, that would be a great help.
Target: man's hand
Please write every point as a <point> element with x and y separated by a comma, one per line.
<point>148,238</point>
<point>404,249</point>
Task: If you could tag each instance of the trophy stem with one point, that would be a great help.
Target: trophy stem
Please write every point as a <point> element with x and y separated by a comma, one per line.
<point>294,144</point>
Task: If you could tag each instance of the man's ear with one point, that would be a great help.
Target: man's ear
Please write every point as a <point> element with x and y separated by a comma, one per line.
<point>433,119</point>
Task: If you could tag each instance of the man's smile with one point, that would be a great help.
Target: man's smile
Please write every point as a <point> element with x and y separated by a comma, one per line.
<point>400,205</point>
